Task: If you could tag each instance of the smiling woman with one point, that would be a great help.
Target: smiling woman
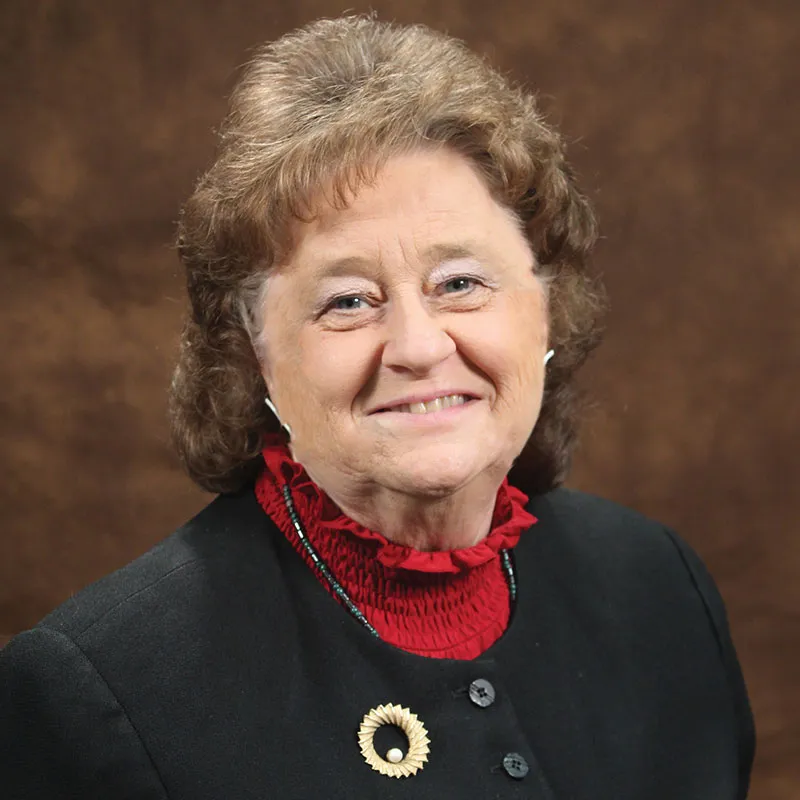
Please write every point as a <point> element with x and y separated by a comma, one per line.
<point>421,320</point>
<point>314,120</point>
<point>386,269</point>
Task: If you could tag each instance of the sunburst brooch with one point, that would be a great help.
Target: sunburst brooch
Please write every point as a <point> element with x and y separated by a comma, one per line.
<point>395,765</point>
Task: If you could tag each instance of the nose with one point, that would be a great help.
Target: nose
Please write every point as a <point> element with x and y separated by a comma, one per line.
<point>415,338</point>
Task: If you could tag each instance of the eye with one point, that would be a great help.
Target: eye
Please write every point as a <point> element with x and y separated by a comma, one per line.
<point>349,302</point>
<point>462,283</point>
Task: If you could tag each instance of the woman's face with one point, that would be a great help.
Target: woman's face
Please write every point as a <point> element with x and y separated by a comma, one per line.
<point>404,337</point>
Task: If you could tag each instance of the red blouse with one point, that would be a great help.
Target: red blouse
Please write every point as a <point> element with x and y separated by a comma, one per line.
<point>441,604</point>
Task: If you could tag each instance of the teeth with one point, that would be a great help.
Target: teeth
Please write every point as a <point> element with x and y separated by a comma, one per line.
<point>453,400</point>
<point>433,405</point>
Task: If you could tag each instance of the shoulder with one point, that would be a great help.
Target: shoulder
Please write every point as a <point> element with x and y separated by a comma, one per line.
<point>583,526</point>
<point>623,563</point>
<point>96,664</point>
<point>633,577</point>
<point>633,566</point>
<point>623,555</point>
<point>230,530</point>
<point>591,515</point>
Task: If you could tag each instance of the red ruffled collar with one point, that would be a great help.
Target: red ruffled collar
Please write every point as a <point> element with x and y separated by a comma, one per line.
<point>449,604</point>
<point>509,520</point>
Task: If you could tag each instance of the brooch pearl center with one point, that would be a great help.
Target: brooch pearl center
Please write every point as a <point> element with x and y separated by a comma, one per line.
<point>395,755</point>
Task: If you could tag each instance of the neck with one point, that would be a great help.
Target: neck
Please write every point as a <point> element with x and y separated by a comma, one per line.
<point>459,520</point>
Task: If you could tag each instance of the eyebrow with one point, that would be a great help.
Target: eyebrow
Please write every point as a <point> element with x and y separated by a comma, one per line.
<point>451,252</point>
<point>349,265</point>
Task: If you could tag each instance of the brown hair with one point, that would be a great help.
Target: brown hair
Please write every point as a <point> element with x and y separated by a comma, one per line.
<point>324,106</point>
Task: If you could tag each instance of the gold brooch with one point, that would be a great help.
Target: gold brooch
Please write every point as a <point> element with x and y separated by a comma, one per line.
<point>395,765</point>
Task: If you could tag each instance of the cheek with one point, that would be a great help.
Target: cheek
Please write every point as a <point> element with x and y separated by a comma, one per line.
<point>333,368</point>
<point>508,344</point>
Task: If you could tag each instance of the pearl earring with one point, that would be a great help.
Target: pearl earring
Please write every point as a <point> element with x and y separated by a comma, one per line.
<point>550,354</point>
<point>271,406</point>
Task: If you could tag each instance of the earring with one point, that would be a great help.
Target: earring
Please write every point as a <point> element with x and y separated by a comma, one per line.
<point>550,354</point>
<point>284,427</point>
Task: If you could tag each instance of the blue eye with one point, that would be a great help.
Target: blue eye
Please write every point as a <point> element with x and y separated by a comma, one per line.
<point>460,284</point>
<point>350,302</point>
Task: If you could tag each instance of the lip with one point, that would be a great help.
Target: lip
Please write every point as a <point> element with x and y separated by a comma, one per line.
<point>421,398</point>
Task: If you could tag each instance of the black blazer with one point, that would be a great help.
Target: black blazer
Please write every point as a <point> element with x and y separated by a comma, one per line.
<point>217,667</point>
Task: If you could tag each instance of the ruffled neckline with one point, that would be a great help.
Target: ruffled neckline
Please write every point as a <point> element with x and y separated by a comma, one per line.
<point>509,520</point>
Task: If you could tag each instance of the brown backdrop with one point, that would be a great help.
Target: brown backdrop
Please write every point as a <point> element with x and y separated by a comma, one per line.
<point>684,122</point>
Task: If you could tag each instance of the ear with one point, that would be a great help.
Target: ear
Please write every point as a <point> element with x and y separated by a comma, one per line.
<point>262,357</point>
<point>266,374</point>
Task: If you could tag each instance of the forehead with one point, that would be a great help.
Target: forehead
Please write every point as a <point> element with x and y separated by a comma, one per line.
<point>434,199</point>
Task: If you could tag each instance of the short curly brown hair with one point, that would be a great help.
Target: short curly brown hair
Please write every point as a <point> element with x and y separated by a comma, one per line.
<point>325,106</point>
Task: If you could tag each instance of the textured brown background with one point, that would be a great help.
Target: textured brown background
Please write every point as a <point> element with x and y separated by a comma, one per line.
<point>684,121</point>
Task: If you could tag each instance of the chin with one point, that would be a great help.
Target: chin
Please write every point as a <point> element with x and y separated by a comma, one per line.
<point>430,473</point>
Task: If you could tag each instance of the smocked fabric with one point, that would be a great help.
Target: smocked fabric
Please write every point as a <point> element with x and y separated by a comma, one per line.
<point>441,604</point>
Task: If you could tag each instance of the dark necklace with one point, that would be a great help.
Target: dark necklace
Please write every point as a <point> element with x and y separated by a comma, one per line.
<point>337,587</point>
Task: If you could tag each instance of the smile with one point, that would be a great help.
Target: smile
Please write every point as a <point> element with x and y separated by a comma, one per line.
<point>448,401</point>
<point>428,406</point>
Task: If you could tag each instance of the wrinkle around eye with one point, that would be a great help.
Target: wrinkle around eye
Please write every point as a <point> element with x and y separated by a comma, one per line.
<point>474,296</point>
<point>330,305</point>
<point>333,318</point>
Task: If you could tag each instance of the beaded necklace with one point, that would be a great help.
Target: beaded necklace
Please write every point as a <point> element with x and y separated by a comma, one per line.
<point>337,588</point>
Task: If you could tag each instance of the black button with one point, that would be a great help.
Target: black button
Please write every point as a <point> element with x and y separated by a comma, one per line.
<point>515,765</point>
<point>481,692</point>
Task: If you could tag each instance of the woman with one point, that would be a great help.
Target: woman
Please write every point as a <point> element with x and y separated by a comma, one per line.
<point>386,272</point>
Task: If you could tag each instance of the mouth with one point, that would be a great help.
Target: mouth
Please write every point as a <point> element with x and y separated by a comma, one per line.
<point>428,406</point>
